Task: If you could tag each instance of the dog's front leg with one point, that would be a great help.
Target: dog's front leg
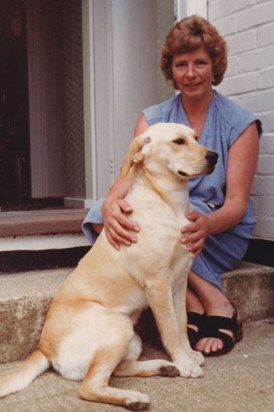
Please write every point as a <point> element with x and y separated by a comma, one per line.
<point>179,301</point>
<point>160,300</point>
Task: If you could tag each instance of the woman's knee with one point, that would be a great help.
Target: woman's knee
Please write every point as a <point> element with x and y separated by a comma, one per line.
<point>98,227</point>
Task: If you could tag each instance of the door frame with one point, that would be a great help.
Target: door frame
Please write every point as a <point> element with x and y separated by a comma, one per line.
<point>185,8</point>
<point>112,106</point>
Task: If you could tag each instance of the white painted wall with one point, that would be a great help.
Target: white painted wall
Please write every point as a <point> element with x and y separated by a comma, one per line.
<point>185,8</point>
<point>134,69</point>
<point>248,27</point>
<point>120,80</point>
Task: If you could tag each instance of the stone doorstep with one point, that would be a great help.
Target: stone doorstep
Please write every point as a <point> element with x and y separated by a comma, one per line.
<point>25,299</point>
<point>40,222</point>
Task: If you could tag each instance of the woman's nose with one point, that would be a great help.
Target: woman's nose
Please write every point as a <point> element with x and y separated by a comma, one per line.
<point>190,70</point>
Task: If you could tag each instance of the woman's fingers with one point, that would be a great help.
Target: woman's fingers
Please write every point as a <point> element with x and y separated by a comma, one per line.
<point>195,233</point>
<point>118,227</point>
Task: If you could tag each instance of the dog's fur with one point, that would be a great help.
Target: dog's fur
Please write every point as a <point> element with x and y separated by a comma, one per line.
<point>88,334</point>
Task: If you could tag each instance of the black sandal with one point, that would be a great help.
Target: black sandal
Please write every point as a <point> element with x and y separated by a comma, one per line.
<point>198,320</point>
<point>211,329</point>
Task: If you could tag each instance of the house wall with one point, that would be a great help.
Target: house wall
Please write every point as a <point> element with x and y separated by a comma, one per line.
<point>165,20</point>
<point>248,27</point>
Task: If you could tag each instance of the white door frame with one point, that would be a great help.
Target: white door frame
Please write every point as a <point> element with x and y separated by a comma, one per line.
<point>97,92</point>
<point>185,8</point>
<point>119,43</point>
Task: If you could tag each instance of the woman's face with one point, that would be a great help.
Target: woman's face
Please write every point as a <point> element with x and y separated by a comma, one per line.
<point>192,73</point>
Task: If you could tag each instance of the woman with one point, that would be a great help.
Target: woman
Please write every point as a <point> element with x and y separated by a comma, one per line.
<point>194,58</point>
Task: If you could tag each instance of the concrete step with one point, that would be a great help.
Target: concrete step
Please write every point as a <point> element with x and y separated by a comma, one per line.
<point>41,239</point>
<point>241,381</point>
<point>25,299</point>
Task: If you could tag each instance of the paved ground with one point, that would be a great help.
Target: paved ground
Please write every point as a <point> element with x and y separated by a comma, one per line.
<point>241,381</point>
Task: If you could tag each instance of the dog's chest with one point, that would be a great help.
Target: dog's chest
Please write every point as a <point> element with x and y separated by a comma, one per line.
<point>158,243</point>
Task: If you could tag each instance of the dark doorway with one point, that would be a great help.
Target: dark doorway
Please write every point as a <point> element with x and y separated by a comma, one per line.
<point>41,104</point>
<point>14,109</point>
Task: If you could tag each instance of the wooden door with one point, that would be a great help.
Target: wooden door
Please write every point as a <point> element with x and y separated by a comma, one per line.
<point>46,98</point>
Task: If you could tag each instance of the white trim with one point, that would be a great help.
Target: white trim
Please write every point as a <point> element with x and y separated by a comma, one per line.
<point>98,96</point>
<point>88,203</point>
<point>111,123</point>
<point>89,100</point>
<point>43,242</point>
<point>185,8</point>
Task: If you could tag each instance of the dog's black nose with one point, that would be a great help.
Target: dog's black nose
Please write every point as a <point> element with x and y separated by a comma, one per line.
<point>212,157</point>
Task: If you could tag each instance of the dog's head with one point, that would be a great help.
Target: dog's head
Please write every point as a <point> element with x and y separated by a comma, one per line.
<point>170,147</point>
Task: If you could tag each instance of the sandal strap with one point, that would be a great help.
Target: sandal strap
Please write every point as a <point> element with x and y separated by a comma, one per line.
<point>196,319</point>
<point>214,323</point>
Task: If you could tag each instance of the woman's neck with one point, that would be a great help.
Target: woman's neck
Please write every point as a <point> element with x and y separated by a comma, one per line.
<point>196,111</point>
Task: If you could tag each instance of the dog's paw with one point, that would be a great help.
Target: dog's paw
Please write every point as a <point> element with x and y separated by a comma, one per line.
<point>197,357</point>
<point>138,402</point>
<point>138,406</point>
<point>169,370</point>
<point>191,370</point>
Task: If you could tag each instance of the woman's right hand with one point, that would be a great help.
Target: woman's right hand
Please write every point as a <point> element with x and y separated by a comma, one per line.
<point>118,227</point>
<point>115,209</point>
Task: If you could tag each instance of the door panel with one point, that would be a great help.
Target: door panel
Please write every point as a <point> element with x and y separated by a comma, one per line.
<point>46,98</point>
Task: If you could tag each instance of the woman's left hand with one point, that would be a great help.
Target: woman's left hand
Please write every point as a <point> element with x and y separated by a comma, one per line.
<point>196,232</point>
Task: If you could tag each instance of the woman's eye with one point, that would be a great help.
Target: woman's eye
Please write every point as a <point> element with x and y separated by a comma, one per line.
<point>180,64</point>
<point>201,63</point>
<point>179,141</point>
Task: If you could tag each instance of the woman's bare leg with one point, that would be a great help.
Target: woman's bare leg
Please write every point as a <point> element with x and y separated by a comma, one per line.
<point>98,227</point>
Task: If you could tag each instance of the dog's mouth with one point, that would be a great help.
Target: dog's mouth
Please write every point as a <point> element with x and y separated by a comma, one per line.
<point>211,158</point>
<point>208,171</point>
<point>181,173</point>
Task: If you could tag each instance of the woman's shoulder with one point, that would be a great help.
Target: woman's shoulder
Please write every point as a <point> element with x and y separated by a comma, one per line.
<point>232,113</point>
<point>162,111</point>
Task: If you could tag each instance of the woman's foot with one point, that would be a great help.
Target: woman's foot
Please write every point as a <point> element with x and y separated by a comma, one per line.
<point>221,327</point>
<point>213,343</point>
<point>226,330</point>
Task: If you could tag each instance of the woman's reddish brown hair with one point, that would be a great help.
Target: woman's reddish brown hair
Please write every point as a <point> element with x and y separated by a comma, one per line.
<point>190,34</point>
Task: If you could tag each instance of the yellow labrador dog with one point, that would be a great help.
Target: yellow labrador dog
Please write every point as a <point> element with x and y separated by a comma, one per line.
<point>89,331</point>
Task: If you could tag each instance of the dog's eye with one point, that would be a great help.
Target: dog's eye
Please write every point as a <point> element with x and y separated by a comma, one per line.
<point>180,140</point>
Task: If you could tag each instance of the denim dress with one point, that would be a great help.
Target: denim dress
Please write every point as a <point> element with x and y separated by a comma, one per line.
<point>224,123</point>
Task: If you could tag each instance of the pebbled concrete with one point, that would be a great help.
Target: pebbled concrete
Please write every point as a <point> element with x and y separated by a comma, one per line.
<point>241,381</point>
<point>24,302</point>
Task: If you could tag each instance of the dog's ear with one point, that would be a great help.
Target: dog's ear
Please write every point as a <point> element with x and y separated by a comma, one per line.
<point>134,154</point>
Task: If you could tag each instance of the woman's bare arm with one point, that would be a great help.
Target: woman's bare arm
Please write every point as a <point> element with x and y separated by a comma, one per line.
<point>242,161</point>
<point>118,227</point>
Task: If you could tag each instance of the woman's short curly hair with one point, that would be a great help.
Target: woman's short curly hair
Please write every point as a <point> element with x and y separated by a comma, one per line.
<point>188,35</point>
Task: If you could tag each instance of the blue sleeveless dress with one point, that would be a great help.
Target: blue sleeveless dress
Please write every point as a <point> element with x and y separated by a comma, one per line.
<point>224,123</point>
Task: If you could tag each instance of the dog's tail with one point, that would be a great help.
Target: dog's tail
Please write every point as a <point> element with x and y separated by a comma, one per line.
<point>33,366</point>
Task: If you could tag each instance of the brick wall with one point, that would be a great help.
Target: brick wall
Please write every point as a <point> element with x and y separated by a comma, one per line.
<point>248,27</point>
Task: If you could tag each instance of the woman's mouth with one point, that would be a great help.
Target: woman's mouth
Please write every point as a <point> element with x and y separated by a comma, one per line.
<point>192,85</point>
